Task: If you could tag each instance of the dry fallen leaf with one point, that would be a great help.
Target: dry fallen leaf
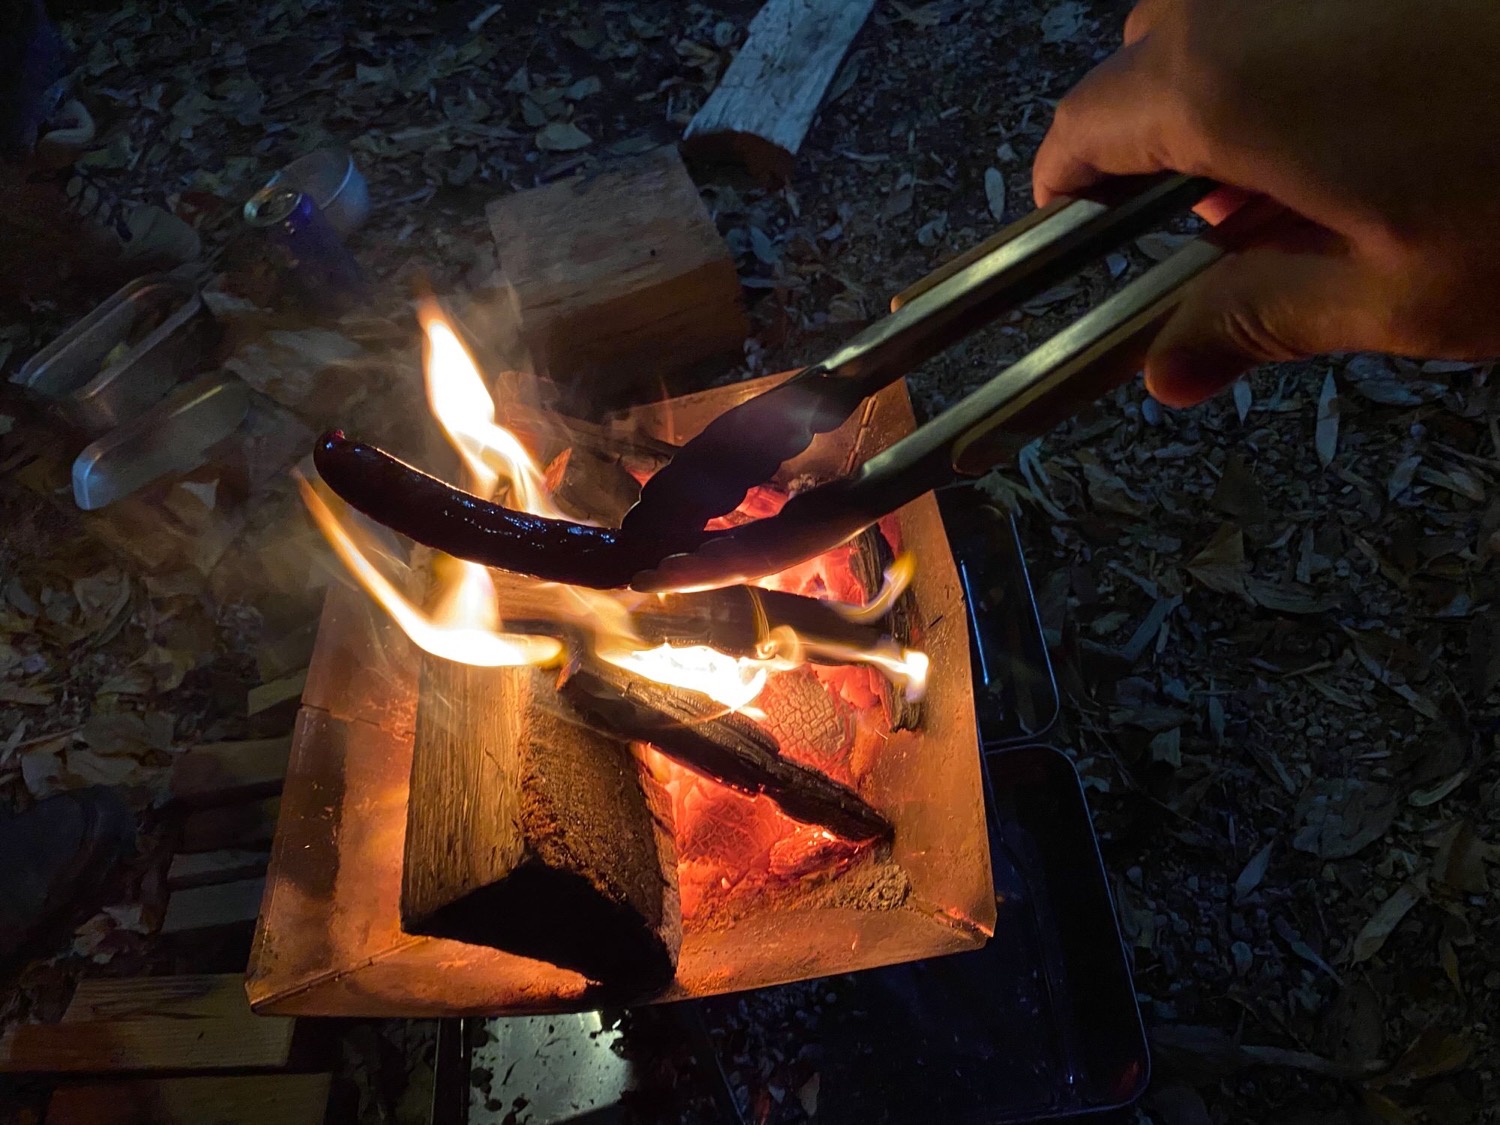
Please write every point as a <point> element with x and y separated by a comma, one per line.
<point>1220,565</point>
<point>1253,873</point>
<point>1244,398</point>
<point>562,136</point>
<point>994,192</point>
<point>1386,918</point>
<point>1326,438</point>
<point>1062,22</point>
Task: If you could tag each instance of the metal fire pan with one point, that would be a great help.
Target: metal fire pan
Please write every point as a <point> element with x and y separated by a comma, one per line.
<point>75,372</point>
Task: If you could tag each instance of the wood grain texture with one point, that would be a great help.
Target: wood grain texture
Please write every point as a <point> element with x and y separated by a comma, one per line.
<point>762,108</point>
<point>190,995</point>
<point>528,833</point>
<point>161,1043</point>
<point>287,1099</point>
<point>621,279</point>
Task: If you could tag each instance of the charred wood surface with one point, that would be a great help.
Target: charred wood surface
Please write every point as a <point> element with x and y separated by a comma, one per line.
<point>737,619</point>
<point>697,732</point>
<point>871,557</point>
<point>807,720</point>
<point>532,834</point>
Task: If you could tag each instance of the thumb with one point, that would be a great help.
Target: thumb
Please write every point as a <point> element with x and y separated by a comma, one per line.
<point>1262,305</point>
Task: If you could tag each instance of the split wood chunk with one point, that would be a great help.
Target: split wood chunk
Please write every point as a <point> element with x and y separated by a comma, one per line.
<point>535,835</point>
<point>621,279</point>
<point>764,104</point>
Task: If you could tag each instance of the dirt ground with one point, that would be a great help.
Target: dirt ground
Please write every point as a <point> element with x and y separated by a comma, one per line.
<point>1273,616</point>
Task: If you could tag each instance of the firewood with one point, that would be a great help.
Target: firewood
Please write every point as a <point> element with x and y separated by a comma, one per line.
<point>734,620</point>
<point>695,731</point>
<point>621,279</point>
<point>807,720</point>
<point>767,99</point>
<point>534,835</point>
<point>871,556</point>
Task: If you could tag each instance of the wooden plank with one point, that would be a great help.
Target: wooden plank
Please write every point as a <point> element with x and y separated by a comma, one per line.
<point>148,1043</point>
<point>196,995</point>
<point>621,279</point>
<point>220,773</point>
<point>766,101</point>
<point>203,869</point>
<point>223,904</point>
<point>287,1099</point>
<point>534,835</point>
<point>232,826</point>
<point>297,1099</point>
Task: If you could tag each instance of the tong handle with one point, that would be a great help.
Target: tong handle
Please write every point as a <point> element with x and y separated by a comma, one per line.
<point>994,242</point>
<point>1094,355</point>
<point>1015,265</point>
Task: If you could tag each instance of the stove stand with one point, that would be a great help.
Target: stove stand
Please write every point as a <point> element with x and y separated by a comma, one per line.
<point>1040,1024</point>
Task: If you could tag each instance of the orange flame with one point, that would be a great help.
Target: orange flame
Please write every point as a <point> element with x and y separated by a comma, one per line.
<point>465,624</point>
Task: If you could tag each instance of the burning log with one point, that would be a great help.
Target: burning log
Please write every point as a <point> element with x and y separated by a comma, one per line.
<point>533,834</point>
<point>872,555</point>
<point>768,97</point>
<point>737,620</point>
<point>697,732</point>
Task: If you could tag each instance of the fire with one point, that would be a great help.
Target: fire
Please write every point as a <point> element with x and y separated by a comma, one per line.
<point>464,622</point>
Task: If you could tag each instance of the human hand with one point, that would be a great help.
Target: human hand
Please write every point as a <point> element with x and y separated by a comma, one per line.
<point>1374,124</point>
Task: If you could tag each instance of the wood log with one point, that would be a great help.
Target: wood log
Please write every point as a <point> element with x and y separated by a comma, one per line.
<point>621,280</point>
<point>695,731</point>
<point>535,835</point>
<point>766,101</point>
<point>184,996</point>
<point>871,556</point>
<point>152,1024</point>
<point>735,620</point>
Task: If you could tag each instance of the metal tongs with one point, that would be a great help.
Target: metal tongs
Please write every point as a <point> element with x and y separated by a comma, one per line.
<point>661,544</point>
<point>710,475</point>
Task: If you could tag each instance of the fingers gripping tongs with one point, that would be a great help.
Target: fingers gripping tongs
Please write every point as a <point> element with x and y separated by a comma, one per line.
<point>743,447</point>
<point>661,543</point>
